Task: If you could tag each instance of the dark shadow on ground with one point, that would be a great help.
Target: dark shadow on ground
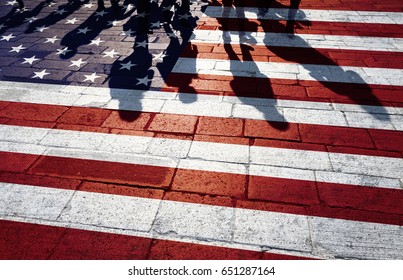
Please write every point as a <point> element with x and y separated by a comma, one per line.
<point>245,61</point>
<point>15,18</point>
<point>95,24</point>
<point>54,17</point>
<point>137,70</point>
<point>357,89</point>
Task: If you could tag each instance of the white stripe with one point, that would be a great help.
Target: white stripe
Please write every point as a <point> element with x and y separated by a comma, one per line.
<point>213,166</point>
<point>322,113</point>
<point>112,147</point>
<point>290,71</point>
<point>311,41</point>
<point>197,223</point>
<point>306,15</point>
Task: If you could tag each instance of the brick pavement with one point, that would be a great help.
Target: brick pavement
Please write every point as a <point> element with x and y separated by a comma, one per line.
<point>287,147</point>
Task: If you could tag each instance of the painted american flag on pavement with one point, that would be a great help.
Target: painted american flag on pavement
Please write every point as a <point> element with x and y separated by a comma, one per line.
<point>223,134</point>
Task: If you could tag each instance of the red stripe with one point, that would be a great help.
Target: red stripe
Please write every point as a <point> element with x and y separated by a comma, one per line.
<point>363,94</point>
<point>121,173</point>
<point>218,188</point>
<point>23,241</point>
<point>303,27</point>
<point>213,129</point>
<point>294,55</point>
<point>329,194</point>
<point>223,130</point>
<point>355,5</point>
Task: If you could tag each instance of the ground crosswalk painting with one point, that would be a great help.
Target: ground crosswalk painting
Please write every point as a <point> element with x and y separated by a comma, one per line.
<point>208,129</point>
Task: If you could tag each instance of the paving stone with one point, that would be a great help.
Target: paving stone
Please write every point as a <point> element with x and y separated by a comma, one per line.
<point>218,126</point>
<point>86,116</point>
<point>27,112</point>
<point>173,123</point>
<point>213,183</point>
<point>283,190</point>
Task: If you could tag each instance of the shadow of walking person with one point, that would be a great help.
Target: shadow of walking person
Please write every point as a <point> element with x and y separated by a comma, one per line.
<point>14,18</point>
<point>89,29</point>
<point>63,12</point>
<point>270,112</point>
<point>340,80</point>
<point>178,42</point>
<point>133,72</point>
<point>246,66</point>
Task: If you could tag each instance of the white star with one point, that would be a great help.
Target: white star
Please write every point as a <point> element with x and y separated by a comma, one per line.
<point>127,32</point>
<point>83,30</point>
<point>101,13</point>
<point>159,56</point>
<point>71,21</point>
<point>63,51</point>
<point>142,15</point>
<point>142,44</point>
<point>41,29</point>
<point>24,9</point>
<point>155,24</point>
<point>96,42</point>
<point>114,22</point>
<point>144,81</point>
<point>17,49</point>
<point>50,4</point>
<point>11,3</point>
<point>40,74</point>
<point>111,53</point>
<point>30,60</point>
<point>185,16</point>
<point>89,5</point>
<point>171,35</point>
<point>31,19</point>
<point>127,65</point>
<point>168,8</point>
<point>91,77</point>
<point>8,37</point>
<point>128,7</point>
<point>77,62</point>
<point>51,40</point>
<point>61,11</point>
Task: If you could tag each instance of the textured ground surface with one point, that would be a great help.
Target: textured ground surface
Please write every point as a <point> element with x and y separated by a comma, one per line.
<point>192,142</point>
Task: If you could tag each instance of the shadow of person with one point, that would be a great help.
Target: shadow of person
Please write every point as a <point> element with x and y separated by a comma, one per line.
<point>339,80</point>
<point>270,113</point>
<point>178,41</point>
<point>246,64</point>
<point>114,5</point>
<point>14,18</point>
<point>133,72</point>
<point>292,13</point>
<point>89,29</point>
<point>54,17</point>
